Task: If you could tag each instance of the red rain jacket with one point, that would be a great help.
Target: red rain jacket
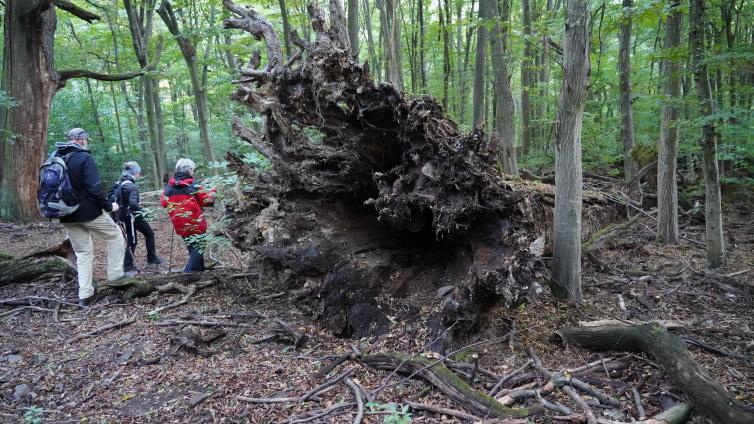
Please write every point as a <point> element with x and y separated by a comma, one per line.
<point>184,200</point>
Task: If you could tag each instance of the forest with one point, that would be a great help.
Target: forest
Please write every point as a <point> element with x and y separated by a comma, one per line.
<point>509,211</point>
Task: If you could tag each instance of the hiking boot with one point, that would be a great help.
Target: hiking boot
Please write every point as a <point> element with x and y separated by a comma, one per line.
<point>156,261</point>
<point>131,268</point>
<point>87,301</point>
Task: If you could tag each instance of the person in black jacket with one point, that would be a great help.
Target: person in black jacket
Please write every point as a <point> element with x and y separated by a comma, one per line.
<point>90,217</point>
<point>132,215</point>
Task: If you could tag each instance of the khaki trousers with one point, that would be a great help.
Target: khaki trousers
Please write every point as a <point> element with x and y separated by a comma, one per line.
<point>80,234</point>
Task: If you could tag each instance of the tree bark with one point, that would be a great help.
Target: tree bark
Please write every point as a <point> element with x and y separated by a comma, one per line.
<point>446,66</point>
<point>353,26</point>
<point>566,268</point>
<point>707,396</point>
<point>713,202</point>
<point>286,27</point>
<point>478,102</point>
<point>630,167</point>
<point>667,187</point>
<point>505,124</point>
<point>526,63</point>
<point>422,36</point>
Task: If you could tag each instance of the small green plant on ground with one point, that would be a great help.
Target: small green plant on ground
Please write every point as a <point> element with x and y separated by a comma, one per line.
<point>397,414</point>
<point>33,415</point>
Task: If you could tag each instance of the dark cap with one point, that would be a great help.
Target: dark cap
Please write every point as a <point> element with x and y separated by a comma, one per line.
<point>77,133</point>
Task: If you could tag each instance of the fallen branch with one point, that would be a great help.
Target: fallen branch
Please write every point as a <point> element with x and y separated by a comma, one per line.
<point>359,401</point>
<point>190,291</point>
<point>504,378</point>
<point>445,411</point>
<point>669,351</point>
<point>324,413</point>
<point>444,380</point>
<point>202,323</point>
<point>102,329</point>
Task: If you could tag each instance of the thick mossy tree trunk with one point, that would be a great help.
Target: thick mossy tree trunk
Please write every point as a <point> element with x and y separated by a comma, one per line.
<point>371,195</point>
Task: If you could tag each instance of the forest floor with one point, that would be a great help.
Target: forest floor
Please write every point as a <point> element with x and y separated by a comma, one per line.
<point>48,377</point>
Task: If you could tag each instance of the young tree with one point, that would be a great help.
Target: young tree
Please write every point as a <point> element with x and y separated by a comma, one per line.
<point>198,79</point>
<point>30,77</point>
<point>505,125</point>
<point>630,167</point>
<point>478,103</point>
<point>667,187</point>
<point>566,267</point>
<point>140,23</point>
<point>353,26</point>
<point>526,63</point>
<point>712,204</point>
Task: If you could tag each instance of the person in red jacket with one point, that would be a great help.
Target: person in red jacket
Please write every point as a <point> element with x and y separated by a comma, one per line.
<point>184,200</point>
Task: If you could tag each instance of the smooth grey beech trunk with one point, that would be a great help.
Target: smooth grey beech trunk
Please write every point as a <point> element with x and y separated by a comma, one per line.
<point>526,74</point>
<point>566,266</point>
<point>628,137</point>
<point>712,205</point>
<point>478,103</point>
<point>505,124</point>
<point>667,186</point>
<point>353,26</point>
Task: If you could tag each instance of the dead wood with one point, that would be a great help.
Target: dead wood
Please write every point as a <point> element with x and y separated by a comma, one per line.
<point>133,287</point>
<point>283,333</point>
<point>445,381</point>
<point>33,268</point>
<point>371,193</point>
<point>707,396</point>
<point>359,400</point>
<point>188,293</point>
<point>445,411</point>
<point>102,329</point>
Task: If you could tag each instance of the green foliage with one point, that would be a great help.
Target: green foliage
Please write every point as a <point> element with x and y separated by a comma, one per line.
<point>33,415</point>
<point>397,414</point>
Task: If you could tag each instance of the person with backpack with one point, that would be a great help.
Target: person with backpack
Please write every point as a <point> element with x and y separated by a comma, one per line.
<point>126,194</point>
<point>184,200</point>
<point>80,180</point>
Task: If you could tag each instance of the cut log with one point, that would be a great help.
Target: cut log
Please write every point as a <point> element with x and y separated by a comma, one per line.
<point>706,395</point>
<point>444,380</point>
<point>372,194</point>
<point>25,270</point>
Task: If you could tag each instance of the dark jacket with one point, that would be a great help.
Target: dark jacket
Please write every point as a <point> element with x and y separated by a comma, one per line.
<point>129,196</point>
<point>86,181</point>
<point>184,200</point>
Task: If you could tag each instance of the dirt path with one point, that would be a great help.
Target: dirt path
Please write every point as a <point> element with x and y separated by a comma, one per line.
<point>106,378</point>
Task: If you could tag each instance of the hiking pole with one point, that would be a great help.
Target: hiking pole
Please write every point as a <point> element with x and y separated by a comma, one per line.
<point>170,261</point>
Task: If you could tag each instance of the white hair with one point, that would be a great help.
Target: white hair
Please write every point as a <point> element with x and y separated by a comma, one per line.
<point>185,165</point>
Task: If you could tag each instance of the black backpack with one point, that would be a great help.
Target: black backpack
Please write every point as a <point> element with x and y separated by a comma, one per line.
<point>56,196</point>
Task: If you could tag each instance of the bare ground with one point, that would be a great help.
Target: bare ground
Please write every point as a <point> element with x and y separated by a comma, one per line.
<point>106,378</point>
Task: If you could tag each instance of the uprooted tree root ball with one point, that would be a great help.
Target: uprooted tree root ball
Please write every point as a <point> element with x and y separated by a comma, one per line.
<point>372,195</point>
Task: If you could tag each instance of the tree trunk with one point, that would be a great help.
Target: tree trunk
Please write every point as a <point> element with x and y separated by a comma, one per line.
<point>28,77</point>
<point>478,102</point>
<point>422,36</point>
<point>630,167</point>
<point>188,50</point>
<point>446,66</point>
<point>544,79</point>
<point>526,64</point>
<point>566,267</point>
<point>371,45</point>
<point>667,187</point>
<point>505,124</point>
<point>286,27</point>
<point>712,204</point>
<point>353,26</point>
<point>464,80</point>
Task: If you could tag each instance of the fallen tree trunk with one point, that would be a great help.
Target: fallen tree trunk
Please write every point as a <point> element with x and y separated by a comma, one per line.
<point>371,194</point>
<point>444,380</point>
<point>25,270</point>
<point>706,395</point>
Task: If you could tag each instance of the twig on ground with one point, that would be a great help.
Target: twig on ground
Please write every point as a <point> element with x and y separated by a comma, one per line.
<point>553,406</point>
<point>444,411</point>
<point>359,401</point>
<point>324,413</point>
<point>590,418</point>
<point>203,323</point>
<point>102,329</point>
<point>637,401</point>
<point>327,384</point>
<point>507,377</point>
